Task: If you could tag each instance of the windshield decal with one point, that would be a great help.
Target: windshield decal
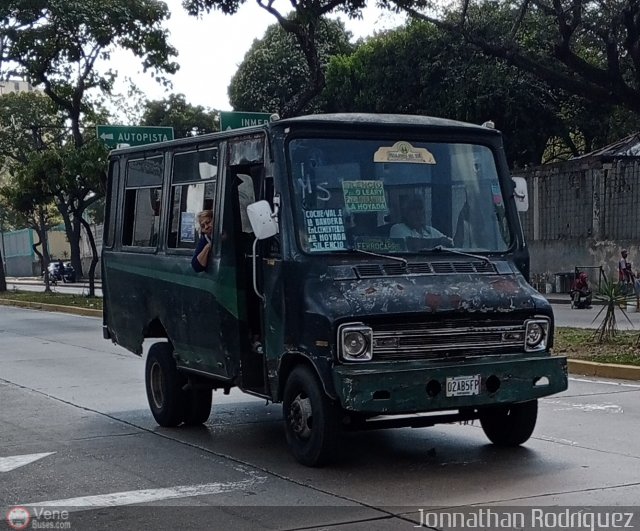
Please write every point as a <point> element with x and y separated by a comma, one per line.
<point>404,152</point>
<point>364,196</point>
<point>325,229</point>
<point>379,245</point>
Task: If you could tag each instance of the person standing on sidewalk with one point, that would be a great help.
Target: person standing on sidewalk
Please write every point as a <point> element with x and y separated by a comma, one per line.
<point>625,274</point>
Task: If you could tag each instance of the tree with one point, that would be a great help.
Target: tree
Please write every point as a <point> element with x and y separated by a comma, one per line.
<point>421,69</point>
<point>304,24</point>
<point>29,122</point>
<point>29,197</point>
<point>56,44</point>
<point>590,49</point>
<point>274,69</point>
<point>186,119</point>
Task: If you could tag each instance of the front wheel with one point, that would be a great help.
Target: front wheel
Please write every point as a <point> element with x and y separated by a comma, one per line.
<point>311,420</point>
<point>164,385</point>
<point>509,425</point>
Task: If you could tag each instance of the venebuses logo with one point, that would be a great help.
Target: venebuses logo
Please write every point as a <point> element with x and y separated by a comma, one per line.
<point>18,517</point>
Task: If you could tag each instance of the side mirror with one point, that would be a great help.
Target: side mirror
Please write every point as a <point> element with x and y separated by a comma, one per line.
<point>262,220</point>
<point>520,194</point>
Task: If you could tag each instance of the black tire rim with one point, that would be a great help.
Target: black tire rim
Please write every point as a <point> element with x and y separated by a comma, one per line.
<point>301,416</point>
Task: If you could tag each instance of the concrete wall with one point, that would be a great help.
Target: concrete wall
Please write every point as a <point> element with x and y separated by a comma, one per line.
<point>17,253</point>
<point>551,257</point>
<point>582,213</point>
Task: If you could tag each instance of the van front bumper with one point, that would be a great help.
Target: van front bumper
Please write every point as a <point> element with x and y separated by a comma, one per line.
<point>411,387</point>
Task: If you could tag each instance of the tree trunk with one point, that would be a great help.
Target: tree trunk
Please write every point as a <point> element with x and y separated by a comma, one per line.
<point>43,257</point>
<point>72,228</point>
<point>94,257</point>
<point>74,244</point>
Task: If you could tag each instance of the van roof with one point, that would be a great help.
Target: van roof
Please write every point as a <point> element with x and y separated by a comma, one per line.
<point>336,119</point>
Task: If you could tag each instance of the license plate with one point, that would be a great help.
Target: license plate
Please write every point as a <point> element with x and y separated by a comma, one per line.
<point>463,385</point>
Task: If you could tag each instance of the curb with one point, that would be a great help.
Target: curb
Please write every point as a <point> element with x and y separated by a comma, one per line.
<point>579,367</point>
<point>604,370</point>
<point>86,312</point>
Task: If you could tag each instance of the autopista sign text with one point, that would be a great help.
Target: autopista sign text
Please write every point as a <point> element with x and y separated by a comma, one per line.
<point>115,135</point>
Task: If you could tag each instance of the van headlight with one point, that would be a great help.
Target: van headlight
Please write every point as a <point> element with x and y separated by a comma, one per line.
<point>536,335</point>
<point>355,342</point>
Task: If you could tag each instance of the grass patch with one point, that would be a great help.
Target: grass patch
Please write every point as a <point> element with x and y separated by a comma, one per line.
<point>61,299</point>
<point>579,343</point>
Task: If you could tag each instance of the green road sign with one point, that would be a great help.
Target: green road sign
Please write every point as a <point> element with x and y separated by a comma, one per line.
<point>235,120</point>
<point>114,135</point>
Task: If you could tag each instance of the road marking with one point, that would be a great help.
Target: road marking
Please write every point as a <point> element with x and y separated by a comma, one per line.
<point>16,461</point>
<point>116,499</point>
<point>619,384</point>
<point>566,406</point>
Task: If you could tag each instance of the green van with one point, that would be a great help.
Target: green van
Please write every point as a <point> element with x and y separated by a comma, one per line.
<point>367,271</point>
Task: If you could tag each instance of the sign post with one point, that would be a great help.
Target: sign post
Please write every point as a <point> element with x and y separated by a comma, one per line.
<point>115,135</point>
<point>236,120</point>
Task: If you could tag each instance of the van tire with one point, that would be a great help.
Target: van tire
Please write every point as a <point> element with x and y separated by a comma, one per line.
<point>164,386</point>
<point>197,406</point>
<point>509,425</point>
<point>312,425</point>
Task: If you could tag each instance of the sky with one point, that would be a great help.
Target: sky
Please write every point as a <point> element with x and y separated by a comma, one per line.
<point>211,48</point>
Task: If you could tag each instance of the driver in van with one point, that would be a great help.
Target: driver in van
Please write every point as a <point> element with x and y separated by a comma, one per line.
<point>201,254</point>
<point>413,223</point>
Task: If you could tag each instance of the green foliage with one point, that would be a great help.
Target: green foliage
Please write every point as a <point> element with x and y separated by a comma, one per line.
<point>305,24</point>
<point>28,121</point>
<point>587,49</point>
<point>275,69</point>
<point>45,39</point>
<point>614,296</point>
<point>421,69</point>
<point>56,45</point>
<point>186,119</point>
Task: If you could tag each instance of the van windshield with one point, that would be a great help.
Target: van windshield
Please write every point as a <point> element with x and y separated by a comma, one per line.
<point>396,196</point>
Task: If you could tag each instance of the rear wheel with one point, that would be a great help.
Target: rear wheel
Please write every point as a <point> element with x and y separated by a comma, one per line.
<point>311,420</point>
<point>509,425</point>
<point>164,385</point>
<point>197,406</point>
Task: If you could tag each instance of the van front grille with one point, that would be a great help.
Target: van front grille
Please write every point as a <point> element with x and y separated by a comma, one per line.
<point>446,340</point>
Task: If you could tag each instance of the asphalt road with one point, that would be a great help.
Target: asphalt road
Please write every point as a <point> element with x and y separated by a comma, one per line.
<point>77,403</point>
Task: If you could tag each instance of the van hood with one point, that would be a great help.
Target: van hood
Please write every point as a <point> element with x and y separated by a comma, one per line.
<point>345,292</point>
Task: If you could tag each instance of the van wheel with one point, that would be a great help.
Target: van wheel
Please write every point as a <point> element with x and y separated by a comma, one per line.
<point>197,406</point>
<point>311,419</point>
<point>509,425</point>
<point>164,385</point>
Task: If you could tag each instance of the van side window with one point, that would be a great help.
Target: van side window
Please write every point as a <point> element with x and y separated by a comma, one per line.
<point>193,188</point>
<point>142,202</point>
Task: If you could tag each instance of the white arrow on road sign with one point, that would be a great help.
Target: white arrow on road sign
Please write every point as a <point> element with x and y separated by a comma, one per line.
<point>16,461</point>
<point>106,136</point>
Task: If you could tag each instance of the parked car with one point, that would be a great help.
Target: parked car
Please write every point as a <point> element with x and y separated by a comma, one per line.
<point>63,271</point>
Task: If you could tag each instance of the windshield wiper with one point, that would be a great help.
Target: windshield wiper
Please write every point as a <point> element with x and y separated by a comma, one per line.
<point>396,258</point>
<point>442,249</point>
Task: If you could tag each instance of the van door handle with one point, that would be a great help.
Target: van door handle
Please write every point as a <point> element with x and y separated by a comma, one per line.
<point>254,264</point>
